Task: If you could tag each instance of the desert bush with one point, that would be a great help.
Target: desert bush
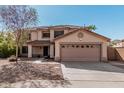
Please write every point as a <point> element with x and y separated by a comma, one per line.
<point>5,51</point>
<point>7,46</point>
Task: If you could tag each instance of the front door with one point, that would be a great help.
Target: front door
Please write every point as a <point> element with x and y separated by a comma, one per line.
<point>45,51</point>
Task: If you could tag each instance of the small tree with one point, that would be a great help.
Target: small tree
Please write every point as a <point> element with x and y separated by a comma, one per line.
<point>24,37</point>
<point>91,27</point>
<point>17,18</point>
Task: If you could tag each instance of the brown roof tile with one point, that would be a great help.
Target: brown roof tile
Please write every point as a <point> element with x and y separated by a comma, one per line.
<point>39,42</point>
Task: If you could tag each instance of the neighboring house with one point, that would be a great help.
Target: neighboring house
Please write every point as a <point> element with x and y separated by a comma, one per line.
<point>66,43</point>
<point>119,44</point>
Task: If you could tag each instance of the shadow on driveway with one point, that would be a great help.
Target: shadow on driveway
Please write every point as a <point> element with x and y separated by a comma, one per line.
<point>97,66</point>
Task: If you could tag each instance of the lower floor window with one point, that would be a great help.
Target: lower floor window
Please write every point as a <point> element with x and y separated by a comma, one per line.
<point>24,49</point>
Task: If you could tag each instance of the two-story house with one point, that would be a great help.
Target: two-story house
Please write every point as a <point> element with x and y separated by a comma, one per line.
<point>119,44</point>
<point>66,43</point>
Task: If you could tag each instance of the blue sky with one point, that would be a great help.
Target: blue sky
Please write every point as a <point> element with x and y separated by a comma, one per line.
<point>109,20</point>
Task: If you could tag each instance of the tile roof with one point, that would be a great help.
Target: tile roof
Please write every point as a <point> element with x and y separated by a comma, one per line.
<point>39,42</point>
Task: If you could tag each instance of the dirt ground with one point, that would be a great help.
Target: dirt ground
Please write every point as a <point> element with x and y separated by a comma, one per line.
<point>40,75</point>
<point>4,62</point>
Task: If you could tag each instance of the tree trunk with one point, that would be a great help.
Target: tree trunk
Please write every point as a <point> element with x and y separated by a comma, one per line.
<point>20,50</point>
<point>17,52</point>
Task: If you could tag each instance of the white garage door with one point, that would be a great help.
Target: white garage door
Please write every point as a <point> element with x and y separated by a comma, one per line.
<point>80,52</point>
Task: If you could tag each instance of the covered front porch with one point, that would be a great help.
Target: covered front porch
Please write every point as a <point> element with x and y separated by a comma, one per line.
<point>40,49</point>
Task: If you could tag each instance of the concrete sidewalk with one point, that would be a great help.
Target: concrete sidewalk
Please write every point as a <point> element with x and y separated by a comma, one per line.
<point>95,84</point>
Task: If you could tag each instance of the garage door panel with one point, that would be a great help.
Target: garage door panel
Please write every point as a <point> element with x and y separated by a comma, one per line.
<point>87,53</point>
<point>79,52</point>
<point>80,59</point>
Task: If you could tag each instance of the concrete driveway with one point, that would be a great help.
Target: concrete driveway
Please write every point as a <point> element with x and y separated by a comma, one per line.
<point>93,74</point>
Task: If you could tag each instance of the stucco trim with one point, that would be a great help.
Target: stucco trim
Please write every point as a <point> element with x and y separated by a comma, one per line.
<point>80,43</point>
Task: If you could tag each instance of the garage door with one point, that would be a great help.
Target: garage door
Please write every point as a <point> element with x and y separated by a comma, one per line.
<point>80,52</point>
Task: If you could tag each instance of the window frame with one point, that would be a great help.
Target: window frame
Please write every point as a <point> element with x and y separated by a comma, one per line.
<point>24,49</point>
<point>45,32</point>
<point>59,33</point>
<point>29,36</point>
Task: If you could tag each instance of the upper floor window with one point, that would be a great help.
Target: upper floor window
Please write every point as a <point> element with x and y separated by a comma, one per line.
<point>29,36</point>
<point>46,34</point>
<point>58,33</point>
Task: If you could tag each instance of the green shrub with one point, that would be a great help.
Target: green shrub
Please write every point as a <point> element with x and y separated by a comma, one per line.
<point>7,46</point>
<point>5,51</point>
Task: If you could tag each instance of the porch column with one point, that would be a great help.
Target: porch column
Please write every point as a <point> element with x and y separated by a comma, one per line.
<point>51,51</point>
<point>51,35</point>
<point>29,51</point>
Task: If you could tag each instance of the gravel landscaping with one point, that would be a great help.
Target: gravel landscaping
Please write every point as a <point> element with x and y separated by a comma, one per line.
<point>26,74</point>
<point>37,84</point>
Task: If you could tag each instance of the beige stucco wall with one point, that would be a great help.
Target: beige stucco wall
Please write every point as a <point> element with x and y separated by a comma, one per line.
<point>122,44</point>
<point>66,31</point>
<point>34,35</point>
<point>37,35</point>
<point>87,38</point>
